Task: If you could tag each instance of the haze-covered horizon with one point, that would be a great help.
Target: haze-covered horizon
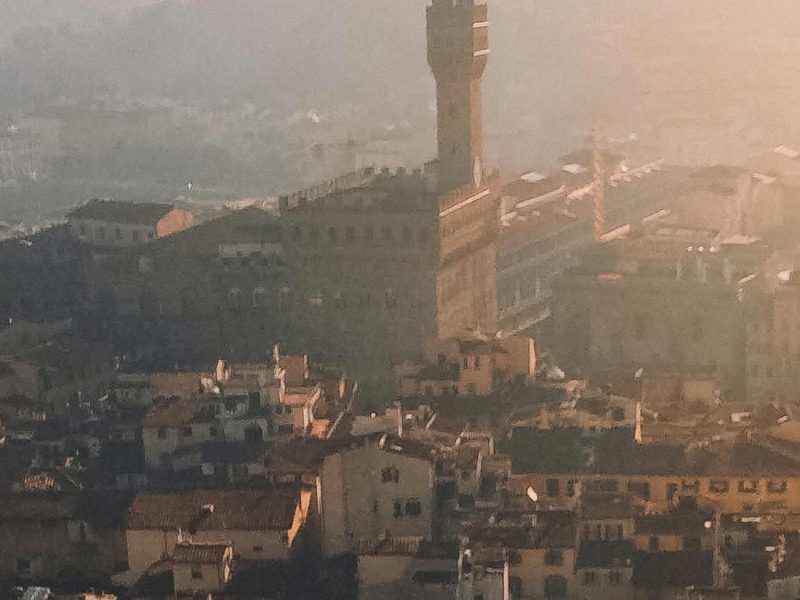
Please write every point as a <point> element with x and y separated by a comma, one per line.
<point>556,67</point>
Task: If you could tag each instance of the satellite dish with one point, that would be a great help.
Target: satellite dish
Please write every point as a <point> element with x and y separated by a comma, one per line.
<point>532,494</point>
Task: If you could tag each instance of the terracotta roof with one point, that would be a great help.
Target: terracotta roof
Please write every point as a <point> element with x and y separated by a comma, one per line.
<point>39,482</point>
<point>172,412</point>
<point>605,554</point>
<point>247,510</point>
<point>144,213</point>
<point>600,506</point>
<point>676,523</point>
<point>296,367</point>
<point>298,396</point>
<point>309,453</point>
<point>195,553</point>
<point>467,458</point>
<point>36,507</point>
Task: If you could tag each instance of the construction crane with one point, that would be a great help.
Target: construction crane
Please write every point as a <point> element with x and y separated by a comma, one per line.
<point>598,185</point>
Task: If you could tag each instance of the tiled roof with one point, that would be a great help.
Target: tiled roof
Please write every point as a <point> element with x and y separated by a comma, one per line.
<point>298,396</point>
<point>244,510</point>
<point>296,367</point>
<point>605,554</point>
<point>682,568</point>
<point>467,458</point>
<point>39,482</point>
<point>143,213</point>
<point>309,453</point>
<point>600,506</point>
<point>172,413</point>
<point>195,553</point>
<point>677,523</point>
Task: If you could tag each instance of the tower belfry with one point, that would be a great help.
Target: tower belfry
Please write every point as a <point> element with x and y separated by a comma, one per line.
<point>458,48</point>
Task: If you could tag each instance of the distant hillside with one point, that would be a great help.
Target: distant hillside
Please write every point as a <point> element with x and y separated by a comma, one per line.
<point>556,66</point>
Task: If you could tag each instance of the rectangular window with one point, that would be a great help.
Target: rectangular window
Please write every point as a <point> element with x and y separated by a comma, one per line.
<point>639,488</point>
<point>197,573</point>
<point>614,577</point>
<point>748,486</point>
<point>718,486</point>
<point>589,577</point>
<point>692,487</point>
<point>776,487</point>
<point>258,549</point>
<point>571,485</point>
<point>554,557</point>
<point>553,488</point>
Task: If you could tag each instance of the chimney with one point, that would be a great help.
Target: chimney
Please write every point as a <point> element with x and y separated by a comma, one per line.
<point>219,371</point>
<point>399,407</point>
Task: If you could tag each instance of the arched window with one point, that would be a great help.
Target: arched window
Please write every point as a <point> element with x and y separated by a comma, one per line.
<point>284,296</point>
<point>259,297</point>
<point>235,297</point>
<point>555,586</point>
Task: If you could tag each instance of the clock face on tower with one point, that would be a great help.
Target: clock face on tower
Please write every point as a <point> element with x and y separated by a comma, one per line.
<point>477,172</point>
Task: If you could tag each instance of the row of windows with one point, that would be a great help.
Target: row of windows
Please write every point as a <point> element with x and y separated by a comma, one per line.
<point>408,507</point>
<point>603,532</point>
<point>186,431</point>
<point>689,543</point>
<point>594,578</point>
<point>368,233</point>
<point>642,488</point>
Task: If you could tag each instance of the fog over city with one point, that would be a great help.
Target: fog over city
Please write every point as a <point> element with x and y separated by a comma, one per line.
<point>399,300</point>
<point>557,68</point>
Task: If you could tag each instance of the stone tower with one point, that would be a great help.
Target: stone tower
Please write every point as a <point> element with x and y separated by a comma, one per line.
<point>458,48</point>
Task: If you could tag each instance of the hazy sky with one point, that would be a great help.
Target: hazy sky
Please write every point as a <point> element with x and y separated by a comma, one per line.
<point>556,65</point>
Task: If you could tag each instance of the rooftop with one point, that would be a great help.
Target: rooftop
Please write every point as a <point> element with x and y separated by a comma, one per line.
<point>193,553</point>
<point>232,509</point>
<point>608,506</point>
<point>594,554</point>
<point>678,522</point>
<point>309,453</point>
<point>615,452</point>
<point>142,213</point>
<point>173,412</point>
